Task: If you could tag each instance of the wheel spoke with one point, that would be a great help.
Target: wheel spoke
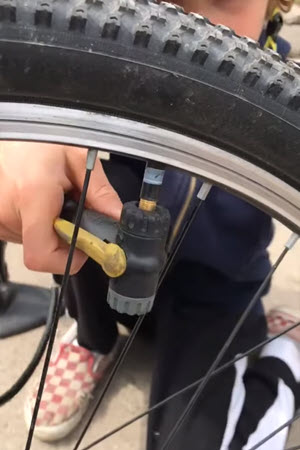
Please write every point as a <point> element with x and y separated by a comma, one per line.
<point>202,195</point>
<point>112,374</point>
<point>227,344</point>
<point>196,383</point>
<point>91,155</point>
<point>271,435</point>
<point>201,383</point>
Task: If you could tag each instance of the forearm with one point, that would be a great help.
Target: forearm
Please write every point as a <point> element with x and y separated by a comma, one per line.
<point>245,17</point>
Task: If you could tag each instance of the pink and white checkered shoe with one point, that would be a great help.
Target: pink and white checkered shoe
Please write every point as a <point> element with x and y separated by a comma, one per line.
<point>280,319</point>
<point>72,377</point>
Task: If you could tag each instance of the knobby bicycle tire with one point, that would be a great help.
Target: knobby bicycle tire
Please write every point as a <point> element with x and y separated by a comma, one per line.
<point>153,63</point>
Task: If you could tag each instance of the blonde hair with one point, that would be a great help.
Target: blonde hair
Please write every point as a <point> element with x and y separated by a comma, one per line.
<point>284,5</point>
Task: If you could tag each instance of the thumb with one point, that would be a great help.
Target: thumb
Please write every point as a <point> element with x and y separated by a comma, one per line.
<point>101,196</point>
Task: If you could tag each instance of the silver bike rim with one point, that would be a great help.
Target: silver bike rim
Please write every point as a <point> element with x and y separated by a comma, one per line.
<point>114,134</point>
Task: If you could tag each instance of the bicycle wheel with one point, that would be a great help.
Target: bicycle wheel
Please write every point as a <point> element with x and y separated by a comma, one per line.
<point>150,81</point>
<point>138,76</point>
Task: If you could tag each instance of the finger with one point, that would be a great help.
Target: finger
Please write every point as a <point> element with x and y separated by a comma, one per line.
<point>8,235</point>
<point>100,196</point>
<point>43,249</point>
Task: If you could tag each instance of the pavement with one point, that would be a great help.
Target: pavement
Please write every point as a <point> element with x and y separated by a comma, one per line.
<point>129,393</point>
<point>127,397</point>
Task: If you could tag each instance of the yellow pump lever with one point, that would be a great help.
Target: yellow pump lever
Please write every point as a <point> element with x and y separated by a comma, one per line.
<point>110,256</point>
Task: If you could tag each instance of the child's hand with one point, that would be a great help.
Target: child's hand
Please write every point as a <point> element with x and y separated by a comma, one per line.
<point>33,180</point>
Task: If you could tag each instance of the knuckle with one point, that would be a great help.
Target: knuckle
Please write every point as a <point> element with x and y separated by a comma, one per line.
<point>32,261</point>
<point>103,192</point>
<point>77,153</point>
<point>28,188</point>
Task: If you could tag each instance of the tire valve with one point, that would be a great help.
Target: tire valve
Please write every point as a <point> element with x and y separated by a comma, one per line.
<point>153,179</point>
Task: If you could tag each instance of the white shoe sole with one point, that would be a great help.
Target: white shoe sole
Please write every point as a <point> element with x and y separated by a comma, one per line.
<point>56,432</point>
